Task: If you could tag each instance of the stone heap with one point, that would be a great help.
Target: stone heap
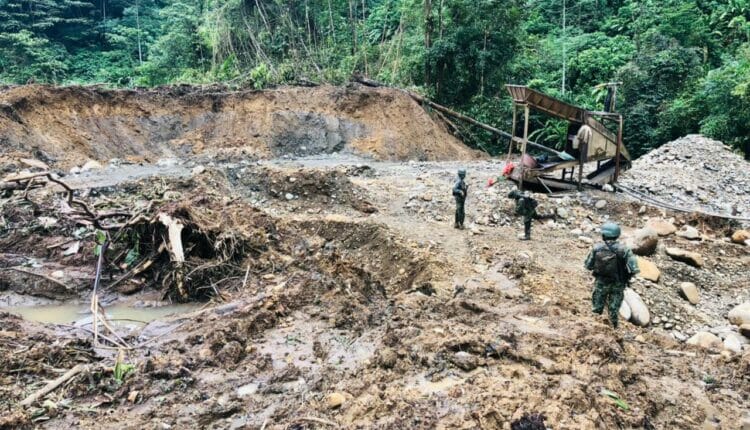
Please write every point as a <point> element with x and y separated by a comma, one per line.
<point>694,172</point>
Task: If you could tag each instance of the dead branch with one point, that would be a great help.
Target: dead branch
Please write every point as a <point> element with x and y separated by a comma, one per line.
<point>53,385</point>
<point>41,275</point>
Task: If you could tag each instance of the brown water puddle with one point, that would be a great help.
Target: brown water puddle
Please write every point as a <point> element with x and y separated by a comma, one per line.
<point>78,314</point>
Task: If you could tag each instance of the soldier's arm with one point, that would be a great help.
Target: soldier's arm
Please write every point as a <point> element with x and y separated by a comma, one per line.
<point>632,262</point>
<point>589,264</point>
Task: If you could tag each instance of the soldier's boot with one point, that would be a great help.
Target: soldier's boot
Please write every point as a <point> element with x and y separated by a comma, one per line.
<point>527,230</point>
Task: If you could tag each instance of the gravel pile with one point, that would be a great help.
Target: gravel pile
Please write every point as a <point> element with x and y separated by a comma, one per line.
<point>696,173</point>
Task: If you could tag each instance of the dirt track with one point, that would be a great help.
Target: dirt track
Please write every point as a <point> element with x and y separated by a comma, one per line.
<point>347,300</point>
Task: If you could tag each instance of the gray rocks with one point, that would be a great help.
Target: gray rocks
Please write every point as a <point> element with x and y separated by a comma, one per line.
<point>600,204</point>
<point>465,361</point>
<point>693,172</point>
<point>692,258</point>
<point>689,291</point>
<point>639,312</point>
<point>689,233</point>
<point>740,315</point>
<point>644,241</point>
<point>706,340</point>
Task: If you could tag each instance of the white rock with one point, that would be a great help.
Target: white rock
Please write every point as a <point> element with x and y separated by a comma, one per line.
<point>197,170</point>
<point>91,165</point>
<point>689,291</point>
<point>57,274</point>
<point>75,170</point>
<point>740,314</point>
<point>562,213</point>
<point>608,188</point>
<point>706,340</point>
<point>625,311</point>
<point>689,233</point>
<point>732,343</point>
<point>639,312</point>
<point>601,204</point>
<point>644,241</point>
<point>47,222</point>
<point>289,196</point>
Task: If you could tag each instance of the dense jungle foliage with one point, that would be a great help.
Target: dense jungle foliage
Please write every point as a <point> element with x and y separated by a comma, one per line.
<point>684,66</point>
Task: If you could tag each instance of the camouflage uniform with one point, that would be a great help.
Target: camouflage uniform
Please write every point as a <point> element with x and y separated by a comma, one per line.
<point>611,290</point>
<point>460,190</point>
<point>526,207</point>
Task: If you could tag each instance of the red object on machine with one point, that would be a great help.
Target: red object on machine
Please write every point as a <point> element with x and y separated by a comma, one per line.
<point>508,169</point>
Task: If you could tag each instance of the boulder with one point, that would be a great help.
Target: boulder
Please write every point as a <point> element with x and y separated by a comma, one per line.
<point>690,233</point>
<point>562,213</point>
<point>625,313</point>
<point>648,270</point>
<point>741,237</point>
<point>197,170</point>
<point>601,204</point>
<point>689,291</point>
<point>639,312</point>
<point>706,340</point>
<point>733,344</point>
<point>644,241</point>
<point>740,315</point>
<point>745,330</point>
<point>661,227</point>
<point>692,258</point>
<point>738,337</point>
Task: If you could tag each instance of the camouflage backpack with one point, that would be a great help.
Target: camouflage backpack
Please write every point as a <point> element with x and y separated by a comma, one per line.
<point>609,262</point>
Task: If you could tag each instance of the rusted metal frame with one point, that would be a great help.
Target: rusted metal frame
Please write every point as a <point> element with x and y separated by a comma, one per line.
<point>512,131</point>
<point>525,141</point>
<point>617,152</point>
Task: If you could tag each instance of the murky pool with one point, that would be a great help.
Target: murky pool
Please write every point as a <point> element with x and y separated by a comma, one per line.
<point>120,314</point>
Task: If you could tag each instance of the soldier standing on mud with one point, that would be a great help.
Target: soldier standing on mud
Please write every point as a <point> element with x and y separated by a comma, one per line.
<point>613,264</point>
<point>526,207</point>
<point>459,192</point>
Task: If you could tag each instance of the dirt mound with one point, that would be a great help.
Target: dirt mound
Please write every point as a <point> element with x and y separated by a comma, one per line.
<point>67,126</point>
<point>694,172</point>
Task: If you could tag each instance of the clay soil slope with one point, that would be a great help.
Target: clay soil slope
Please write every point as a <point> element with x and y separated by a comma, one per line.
<point>66,126</point>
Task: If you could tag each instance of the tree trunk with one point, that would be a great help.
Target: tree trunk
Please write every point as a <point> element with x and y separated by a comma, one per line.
<point>428,28</point>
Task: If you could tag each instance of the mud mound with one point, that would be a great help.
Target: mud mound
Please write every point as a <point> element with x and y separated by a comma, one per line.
<point>67,126</point>
<point>312,188</point>
<point>694,172</point>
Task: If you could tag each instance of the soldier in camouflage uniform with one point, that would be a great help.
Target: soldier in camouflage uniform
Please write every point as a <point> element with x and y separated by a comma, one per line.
<point>613,264</point>
<point>459,192</point>
<point>526,207</point>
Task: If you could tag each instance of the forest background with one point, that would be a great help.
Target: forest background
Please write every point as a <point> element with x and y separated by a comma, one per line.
<point>684,66</point>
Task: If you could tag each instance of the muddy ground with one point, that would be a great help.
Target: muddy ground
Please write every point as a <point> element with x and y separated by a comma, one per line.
<point>364,308</point>
<point>331,291</point>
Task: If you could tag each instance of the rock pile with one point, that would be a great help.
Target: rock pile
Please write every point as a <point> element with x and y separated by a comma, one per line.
<point>696,173</point>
